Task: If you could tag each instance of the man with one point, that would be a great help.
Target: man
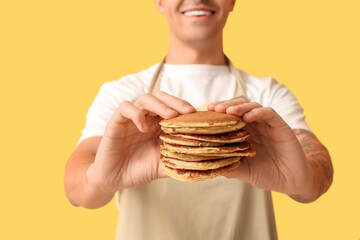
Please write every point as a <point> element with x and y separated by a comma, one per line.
<point>119,149</point>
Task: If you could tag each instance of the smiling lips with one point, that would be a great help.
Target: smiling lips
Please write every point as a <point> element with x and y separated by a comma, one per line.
<point>198,13</point>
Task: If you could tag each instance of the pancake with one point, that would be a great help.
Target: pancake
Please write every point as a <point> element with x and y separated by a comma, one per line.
<point>204,130</point>
<point>202,122</point>
<point>207,150</point>
<point>201,119</point>
<point>186,157</point>
<point>232,137</point>
<point>196,175</point>
<point>246,153</point>
<point>173,139</point>
<point>202,165</point>
<point>189,157</point>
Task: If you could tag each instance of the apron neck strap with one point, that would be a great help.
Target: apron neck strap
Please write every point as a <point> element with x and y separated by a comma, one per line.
<point>155,81</point>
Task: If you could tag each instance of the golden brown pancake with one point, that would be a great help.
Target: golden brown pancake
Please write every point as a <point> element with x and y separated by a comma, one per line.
<point>201,119</point>
<point>207,150</point>
<point>232,137</point>
<point>202,122</point>
<point>200,165</point>
<point>196,175</point>
<point>173,139</point>
<point>186,157</point>
<point>204,130</point>
<point>189,157</point>
<point>246,153</point>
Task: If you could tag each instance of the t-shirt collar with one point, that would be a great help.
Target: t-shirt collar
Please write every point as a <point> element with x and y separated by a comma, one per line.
<point>196,69</point>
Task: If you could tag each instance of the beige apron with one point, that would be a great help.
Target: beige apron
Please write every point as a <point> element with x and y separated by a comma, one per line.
<point>220,208</point>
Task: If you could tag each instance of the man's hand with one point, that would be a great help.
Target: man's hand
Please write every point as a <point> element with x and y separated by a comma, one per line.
<point>280,163</point>
<point>128,154</point>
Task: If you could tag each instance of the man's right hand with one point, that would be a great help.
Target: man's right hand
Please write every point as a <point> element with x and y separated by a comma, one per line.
<point>128,153</point>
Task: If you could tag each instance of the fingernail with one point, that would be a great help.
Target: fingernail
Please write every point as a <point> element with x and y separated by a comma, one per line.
<point>224,105</point>
<point>187,107</point>
<point>211,105</point>
<point>169,110</point>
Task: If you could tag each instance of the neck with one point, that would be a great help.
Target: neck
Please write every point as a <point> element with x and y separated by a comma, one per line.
<point>206,52</point>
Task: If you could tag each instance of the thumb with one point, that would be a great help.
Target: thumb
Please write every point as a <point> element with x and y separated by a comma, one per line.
<point>161,173</point>
<point>242,172</point>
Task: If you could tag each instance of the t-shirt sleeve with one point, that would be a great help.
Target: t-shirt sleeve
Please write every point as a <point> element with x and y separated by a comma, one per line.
<point>283,101</point>
<point>100,112</point>
<point>110,96</point>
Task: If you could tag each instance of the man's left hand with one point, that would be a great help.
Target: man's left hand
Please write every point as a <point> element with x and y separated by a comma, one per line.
<point>280,163</point>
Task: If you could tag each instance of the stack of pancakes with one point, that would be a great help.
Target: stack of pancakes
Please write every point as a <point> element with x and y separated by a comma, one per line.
<point>202,145</point>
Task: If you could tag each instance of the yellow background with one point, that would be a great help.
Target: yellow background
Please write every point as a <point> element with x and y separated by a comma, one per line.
<point>54,56</point>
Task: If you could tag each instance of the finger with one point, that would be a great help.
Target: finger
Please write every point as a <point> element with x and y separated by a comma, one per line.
<point>151,114</point>
<point>222,106</point>
<point>161,173</point>
<point>127,111</point>
<point>242,172</point>
<point>241,109</point>
<point>266,114</point>
<point>154,106</point>
<point>179,105</point>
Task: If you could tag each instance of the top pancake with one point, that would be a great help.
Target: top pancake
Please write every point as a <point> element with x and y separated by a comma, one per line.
<point>201,119</point>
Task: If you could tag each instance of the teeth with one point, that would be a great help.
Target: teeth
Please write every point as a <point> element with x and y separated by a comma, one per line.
<point>197,13</point>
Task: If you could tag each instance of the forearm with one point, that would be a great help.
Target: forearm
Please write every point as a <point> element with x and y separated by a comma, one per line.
<point>320,166</point>
<point>79,191</point>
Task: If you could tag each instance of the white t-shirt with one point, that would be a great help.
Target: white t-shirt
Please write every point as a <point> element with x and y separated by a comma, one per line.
<point>220,208</point>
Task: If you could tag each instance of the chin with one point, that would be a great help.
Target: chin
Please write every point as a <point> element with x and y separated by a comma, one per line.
<point>201,37</point>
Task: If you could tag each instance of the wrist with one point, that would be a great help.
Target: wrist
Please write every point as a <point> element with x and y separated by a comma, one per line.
<point>96,194</point>
<point>97,197</point>
<point>307,191</point>
<point>97,183</point>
